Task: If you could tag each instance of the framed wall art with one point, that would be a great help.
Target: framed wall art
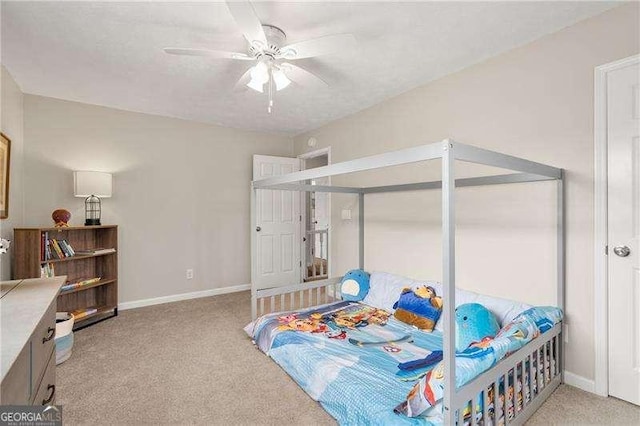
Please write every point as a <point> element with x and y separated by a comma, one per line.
<point>5,162</point>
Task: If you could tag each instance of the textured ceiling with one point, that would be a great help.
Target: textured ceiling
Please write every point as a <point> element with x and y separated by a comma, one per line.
<point>110,53</point>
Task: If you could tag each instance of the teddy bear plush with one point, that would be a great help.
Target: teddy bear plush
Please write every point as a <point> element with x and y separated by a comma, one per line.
<point>420,308</point>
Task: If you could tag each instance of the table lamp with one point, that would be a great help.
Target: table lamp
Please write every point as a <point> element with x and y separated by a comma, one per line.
<point>92,185</point>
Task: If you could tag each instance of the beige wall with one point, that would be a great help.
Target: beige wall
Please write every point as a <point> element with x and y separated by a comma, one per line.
<point>535,102</point>
<point>11,124</point>
<point>181,190</point>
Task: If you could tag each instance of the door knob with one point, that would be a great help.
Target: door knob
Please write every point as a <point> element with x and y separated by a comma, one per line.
<point>622,251</point>
<point>258,229</point>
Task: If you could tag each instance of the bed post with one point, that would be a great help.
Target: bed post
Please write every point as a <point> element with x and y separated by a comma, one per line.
<point>252,231</point>
<point>361,230</point>
<point>448,277</point>
<point>561,266</point>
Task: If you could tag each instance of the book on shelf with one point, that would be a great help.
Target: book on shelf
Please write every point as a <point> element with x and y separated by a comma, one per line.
<point>47,270</point>
<point>66,248</point>
<point>52,249</point>
<point>56,247</point>
<point>46,247</point>
<point>80,283</point>
<point>50,252</point>
<point>79,314</point>
<point>95,251</point>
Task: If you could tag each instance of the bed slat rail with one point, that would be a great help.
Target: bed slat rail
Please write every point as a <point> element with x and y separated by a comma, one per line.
<point>296,296</point>
<point>515,387</point>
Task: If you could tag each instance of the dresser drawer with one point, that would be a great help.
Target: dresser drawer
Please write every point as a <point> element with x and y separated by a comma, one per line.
<point>16,388</point>
<point>42,344</point>
<point>45,393</point>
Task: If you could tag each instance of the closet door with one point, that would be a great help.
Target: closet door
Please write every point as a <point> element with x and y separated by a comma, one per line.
<point>623,141</point>
<point>278,226</point>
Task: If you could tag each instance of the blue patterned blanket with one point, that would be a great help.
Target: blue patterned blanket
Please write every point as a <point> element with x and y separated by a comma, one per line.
<point>346,356</point>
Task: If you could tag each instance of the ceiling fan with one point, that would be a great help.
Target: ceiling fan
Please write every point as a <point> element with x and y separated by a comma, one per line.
<point>266,47</point>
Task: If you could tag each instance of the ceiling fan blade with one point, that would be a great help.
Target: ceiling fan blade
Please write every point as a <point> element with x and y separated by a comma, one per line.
<point>318,46</point>
<point>220,54</point>
<point>302,77</point>
<point>241,84</point>
<point>245,16</point>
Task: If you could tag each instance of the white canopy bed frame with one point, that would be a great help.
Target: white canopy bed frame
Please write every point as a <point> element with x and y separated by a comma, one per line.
<point>546,350</point>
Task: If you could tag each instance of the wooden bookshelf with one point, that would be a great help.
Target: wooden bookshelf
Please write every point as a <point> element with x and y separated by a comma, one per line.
<point>103,295</point>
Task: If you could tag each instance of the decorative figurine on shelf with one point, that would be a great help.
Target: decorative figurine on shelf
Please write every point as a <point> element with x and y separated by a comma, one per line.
<point>4,245</point>
<point>61,218</point>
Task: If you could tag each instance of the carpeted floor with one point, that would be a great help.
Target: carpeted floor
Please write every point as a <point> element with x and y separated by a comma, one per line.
<point>190,362</point>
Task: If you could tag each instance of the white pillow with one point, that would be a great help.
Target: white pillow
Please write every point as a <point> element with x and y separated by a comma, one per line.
<point>505,310</point>
<point>385,289</point>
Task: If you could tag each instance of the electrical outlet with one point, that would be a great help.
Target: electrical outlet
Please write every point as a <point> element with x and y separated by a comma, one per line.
<point>189,274</point>
<point>565,331</point>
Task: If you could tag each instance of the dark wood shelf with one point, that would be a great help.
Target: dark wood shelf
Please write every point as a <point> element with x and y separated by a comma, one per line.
<point>77,257</point>
<point>88,286</point>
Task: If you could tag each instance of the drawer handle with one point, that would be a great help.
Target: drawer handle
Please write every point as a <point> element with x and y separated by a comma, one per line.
<point>50,333</point>
<point>52,390</point>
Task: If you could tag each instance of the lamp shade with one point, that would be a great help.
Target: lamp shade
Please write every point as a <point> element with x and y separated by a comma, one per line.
<point>86,183</point>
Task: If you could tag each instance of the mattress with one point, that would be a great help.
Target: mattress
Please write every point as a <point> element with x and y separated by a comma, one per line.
<point>353,368</point>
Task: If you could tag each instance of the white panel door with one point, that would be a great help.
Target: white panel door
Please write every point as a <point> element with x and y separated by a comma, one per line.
<point>321,211</point>
<point>623,137</point>
<point>277,226</point>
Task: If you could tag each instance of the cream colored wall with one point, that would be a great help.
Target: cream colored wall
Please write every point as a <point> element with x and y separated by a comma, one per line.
<point>181,190</point>
<point>11,124</point>
<point>535,102</point>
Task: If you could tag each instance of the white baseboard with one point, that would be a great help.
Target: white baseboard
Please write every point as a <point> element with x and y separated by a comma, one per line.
<point>183,296</point>
<point>579,382</point>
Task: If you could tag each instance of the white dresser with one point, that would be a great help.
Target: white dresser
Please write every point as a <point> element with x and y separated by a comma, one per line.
<point>27,350</point>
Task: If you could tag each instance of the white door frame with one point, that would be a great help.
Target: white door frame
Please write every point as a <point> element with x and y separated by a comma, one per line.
<point>601,296</point>
<point>303,166</point>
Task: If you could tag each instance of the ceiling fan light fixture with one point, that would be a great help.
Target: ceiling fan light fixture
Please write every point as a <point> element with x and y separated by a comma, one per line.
<point>256,85</point>
<point>260,73</point>
<point>280,79</point>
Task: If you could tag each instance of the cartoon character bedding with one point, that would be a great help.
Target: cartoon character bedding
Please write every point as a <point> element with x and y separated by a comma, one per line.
<point>366,367</point>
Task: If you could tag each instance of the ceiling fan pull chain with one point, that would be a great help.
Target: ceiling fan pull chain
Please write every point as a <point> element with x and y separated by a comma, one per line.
<point>270,91</point>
